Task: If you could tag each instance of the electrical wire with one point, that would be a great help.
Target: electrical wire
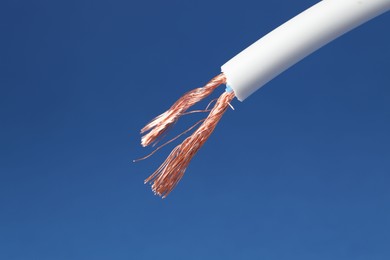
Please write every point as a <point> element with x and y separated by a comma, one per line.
<point>247,72</point>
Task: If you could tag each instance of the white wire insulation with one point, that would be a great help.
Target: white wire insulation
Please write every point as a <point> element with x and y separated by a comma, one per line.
<point>292,41</point>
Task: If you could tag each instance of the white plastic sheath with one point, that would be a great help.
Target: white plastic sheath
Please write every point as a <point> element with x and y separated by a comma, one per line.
<point>295,39</point>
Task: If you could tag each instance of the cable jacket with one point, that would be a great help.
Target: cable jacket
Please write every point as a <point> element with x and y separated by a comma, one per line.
<point>292,41</point>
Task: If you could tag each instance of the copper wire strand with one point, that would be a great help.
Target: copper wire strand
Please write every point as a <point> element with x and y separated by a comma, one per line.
<point>196,111</point>
<point>166,177</point>
<point>170,141</point>
<point>201,110</point>
<point>206,110</point>
<point>184,132</point>
<point>161,123</point>
<point>162,136</point>
<point>209,104</point>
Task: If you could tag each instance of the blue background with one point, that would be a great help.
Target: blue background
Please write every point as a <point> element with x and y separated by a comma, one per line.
<point>300,170</point>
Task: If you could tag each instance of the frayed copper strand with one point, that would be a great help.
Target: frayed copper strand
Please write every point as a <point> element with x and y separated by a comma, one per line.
<point>168,142</point>
<point>206,110</point>
<point>166,177</point>
<point>160,124</point>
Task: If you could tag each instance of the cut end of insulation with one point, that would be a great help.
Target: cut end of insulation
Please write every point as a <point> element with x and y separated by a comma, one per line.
<point>228,89</point>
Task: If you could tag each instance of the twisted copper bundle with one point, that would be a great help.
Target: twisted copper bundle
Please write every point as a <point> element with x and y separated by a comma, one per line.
<point>165,178</point>
<point>161,123</point>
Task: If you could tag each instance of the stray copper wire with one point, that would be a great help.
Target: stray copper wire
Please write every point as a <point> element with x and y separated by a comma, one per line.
<point>184,132</point>
<point>170,141</point>
<point>202,110</point>
<point>161,123</point>
<point>166,177</point>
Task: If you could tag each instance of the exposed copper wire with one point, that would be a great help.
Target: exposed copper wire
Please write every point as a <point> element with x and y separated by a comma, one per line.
<point>161,123</point>
<point>206,110</point>
<point>202,110</point>
<point>170,141</point>
<point>195,111</point>
<point>166,177</point>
